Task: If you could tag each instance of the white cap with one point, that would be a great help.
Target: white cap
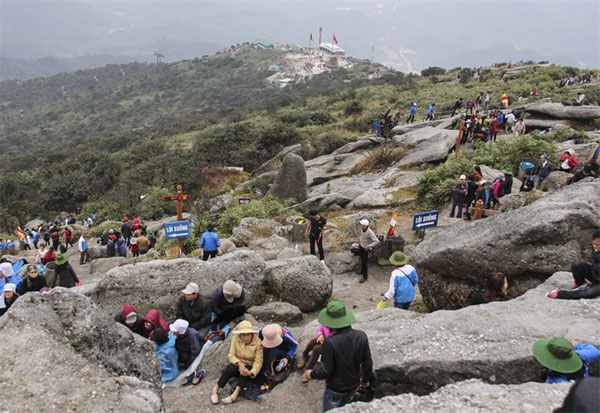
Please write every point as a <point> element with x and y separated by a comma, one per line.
<point>191,288</point>
<point>462,177</point>
<point>179,326</point>
<point>364,222</point>
<point>10,287</point>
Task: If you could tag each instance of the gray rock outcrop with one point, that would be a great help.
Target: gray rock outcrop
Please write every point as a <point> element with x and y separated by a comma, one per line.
<point>303,282</point>
<point>33,224</point>
<point>527,245</point>
<point>103,265</point>
<point>98,251</point>
<point>66,354</point>
<point>291,180</point>
<point>158,284</point>
<point>270,164</point>
<point>428,145</point>
<point>559,111</point>
<point>556,180</point>
<point>277,312</point>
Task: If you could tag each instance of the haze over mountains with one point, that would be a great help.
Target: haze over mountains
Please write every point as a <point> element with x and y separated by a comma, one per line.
<point>408,35</point>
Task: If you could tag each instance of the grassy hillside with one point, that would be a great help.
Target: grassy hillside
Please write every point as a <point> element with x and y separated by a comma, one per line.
<point>96,140</point>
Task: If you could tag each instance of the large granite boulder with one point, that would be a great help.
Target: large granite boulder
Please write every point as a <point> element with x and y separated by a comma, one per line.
<point>97,251</point>
<point>419,353</point>
<point>556,180</point>
<point>219,203</point>
<point>103,265</point>
<point>527,245</point>
<point>63,353</point>
<point>34,224</point>
<point>342,262</point>
<point>428,145</point>
<point>471,396</point>
<point>158,284</point>
<point>291,180</point>
<point>560,111</point>
<point>303,282</point>
<point>277,312</point>
<point>270,164</point>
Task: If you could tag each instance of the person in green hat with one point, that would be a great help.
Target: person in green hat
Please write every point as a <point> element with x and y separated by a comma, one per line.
<point>402,282</point>
<point>346,361</point>
<point>65,275</point>
<point>564,358</point>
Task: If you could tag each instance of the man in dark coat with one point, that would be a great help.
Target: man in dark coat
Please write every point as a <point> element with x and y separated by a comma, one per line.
<point>187,343</point>
<point>227,303</point>
<point>194,309</point>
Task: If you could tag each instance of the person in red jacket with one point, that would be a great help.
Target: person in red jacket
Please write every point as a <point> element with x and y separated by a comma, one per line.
<point>49,257</point>
<point>68,237</point>
<point>568,162</point>
<point>151,321</point>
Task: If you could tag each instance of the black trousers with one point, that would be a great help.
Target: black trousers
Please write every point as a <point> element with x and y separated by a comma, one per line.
<point>318,239</point>
<point>582,272</point>
<point>206,254</point>
<point>364,260</point>
<point>411,118</point>
<point>233,371</point>
<point>455,204</point>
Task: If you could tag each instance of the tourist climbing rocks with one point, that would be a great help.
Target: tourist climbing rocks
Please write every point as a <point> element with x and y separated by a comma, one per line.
<point>194,309</point>
<point>430,112</point>
<point>568,161</point>
<point>564,358</point>
<point>82,246</point>
<point>594,160</point>
<point>586,276</point>
<point>411,113</point>
<point>402,281</point>
<point>367,241</point>
<point>346,362</point>
<point>314,229</point>
<point>65,274</point>
<point>209,243</point>
<point>542,169</point>
<point>457,106</point>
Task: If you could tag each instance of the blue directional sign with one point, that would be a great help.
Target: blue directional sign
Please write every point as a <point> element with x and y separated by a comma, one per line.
<point>425,220</point>
<point>177,229</point>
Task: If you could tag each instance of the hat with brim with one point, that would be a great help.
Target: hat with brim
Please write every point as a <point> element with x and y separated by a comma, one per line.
<point>557,355</point>
<point>271,336</point>
<point>399,258</point>
<point>336,316</point>
<point>191,288</point>
<point>364,222</point>
<point>61,259</point>
<point>244,327</point>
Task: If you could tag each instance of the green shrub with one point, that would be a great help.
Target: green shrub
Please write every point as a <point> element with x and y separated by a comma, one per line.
<point>353,108</point>
<point>433,71</point>
<point>265,208</point>
<point>153,207</point>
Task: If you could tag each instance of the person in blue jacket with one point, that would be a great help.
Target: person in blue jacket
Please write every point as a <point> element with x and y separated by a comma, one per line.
<point>564,358</point>
<point>209,243</point>
<point>430,112</point>
<point>402,282</point>
<point>36,238</point>
<point>167,354</point>
<point>411,113</point>
<point>8,275</point>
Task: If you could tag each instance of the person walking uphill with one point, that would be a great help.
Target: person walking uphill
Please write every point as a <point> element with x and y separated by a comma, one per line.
<point>209,243</point>
<point>411,113</point>
<point>82,246</point>
<point>368,241</point>
<point>315,227</point>
<point>402,282</point>
<point>346,361</point>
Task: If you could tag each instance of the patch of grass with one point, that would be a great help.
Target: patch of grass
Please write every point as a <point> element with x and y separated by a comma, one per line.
<point>409,192</point>
<point>218,180</point>
<point>419,306</point>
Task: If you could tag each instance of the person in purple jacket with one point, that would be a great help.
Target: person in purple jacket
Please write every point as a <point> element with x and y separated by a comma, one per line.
<point>564,358</point>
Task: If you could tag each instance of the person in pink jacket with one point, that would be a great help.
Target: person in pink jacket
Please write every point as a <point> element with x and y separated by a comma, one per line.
<point>314,348</point>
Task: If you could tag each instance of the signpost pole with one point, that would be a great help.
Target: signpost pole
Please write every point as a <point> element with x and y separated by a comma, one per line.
<point>180,214</point>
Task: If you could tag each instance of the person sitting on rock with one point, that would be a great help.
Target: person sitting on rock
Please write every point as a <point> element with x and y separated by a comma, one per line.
<point>65,274</point>
<point>402,281</point>
<point>495,290</point>
<point>166,352</point>
<point>542,169</point>
<point>194,309</point>
<point>582,173</point>
<point>245,361</point>
<point>578,101</point>
<point>367,241</point>
<point>8,275</point>
<point>564,358</point>
<point>508,181</point>
<point>227,304</point>
<point>568,161</point>
<point>8,298</point>
<point>209,243</point>
<point>586,276</point>
<point>314,349</point>
<point>188,342</point>
<point>486,194</point>
<point>129,318</point>
<point>152,321</point>
<point>33,281</point>
<point>279,345</point>
<point>528,182</point>
<point>459,195</point>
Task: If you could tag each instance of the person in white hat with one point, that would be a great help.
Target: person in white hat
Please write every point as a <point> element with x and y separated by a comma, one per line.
<point>459,196</point>
<point>187,342</point>
<point>8,298</point>
<point>368,240</point>
<point>194,308</point>
<point>227,304</point>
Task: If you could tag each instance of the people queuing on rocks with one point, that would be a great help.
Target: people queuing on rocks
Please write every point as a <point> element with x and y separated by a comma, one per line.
<point>459,195</point>
<point>130,319</point>
<point>68,237</point>
<point>411,113</point>
<point>586,276</point>
<point>312,351</point>
<point>152,321</point>
<point>528,182</point>
<point>33,281</point>
<point>402,281</point>
<point>245,361</point>
<point>210,243</point>
<point>367,241</point>
<point>542,169</point>
<point>41,253</point>
<point>314,230</point>
<point>143,244</point>
<point>8,297</point>
<point>65,274</point>
<point>279,349</point>
<point>564,359</point>
<point>510,122</point>
<point>194,309</point>
<point>346,362</point>
<point>568,161</point>
<point>496,287</point>
<point>227,304</point>
<point>166,352</point>
<point>82,247</point>
<point>188,342</point>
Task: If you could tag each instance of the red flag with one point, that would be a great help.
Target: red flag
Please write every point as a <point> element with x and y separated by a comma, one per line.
<point>335,40</point>
<point>393,225</point>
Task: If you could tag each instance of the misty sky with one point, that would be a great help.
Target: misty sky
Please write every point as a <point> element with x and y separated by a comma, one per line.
<point>405,34</point>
